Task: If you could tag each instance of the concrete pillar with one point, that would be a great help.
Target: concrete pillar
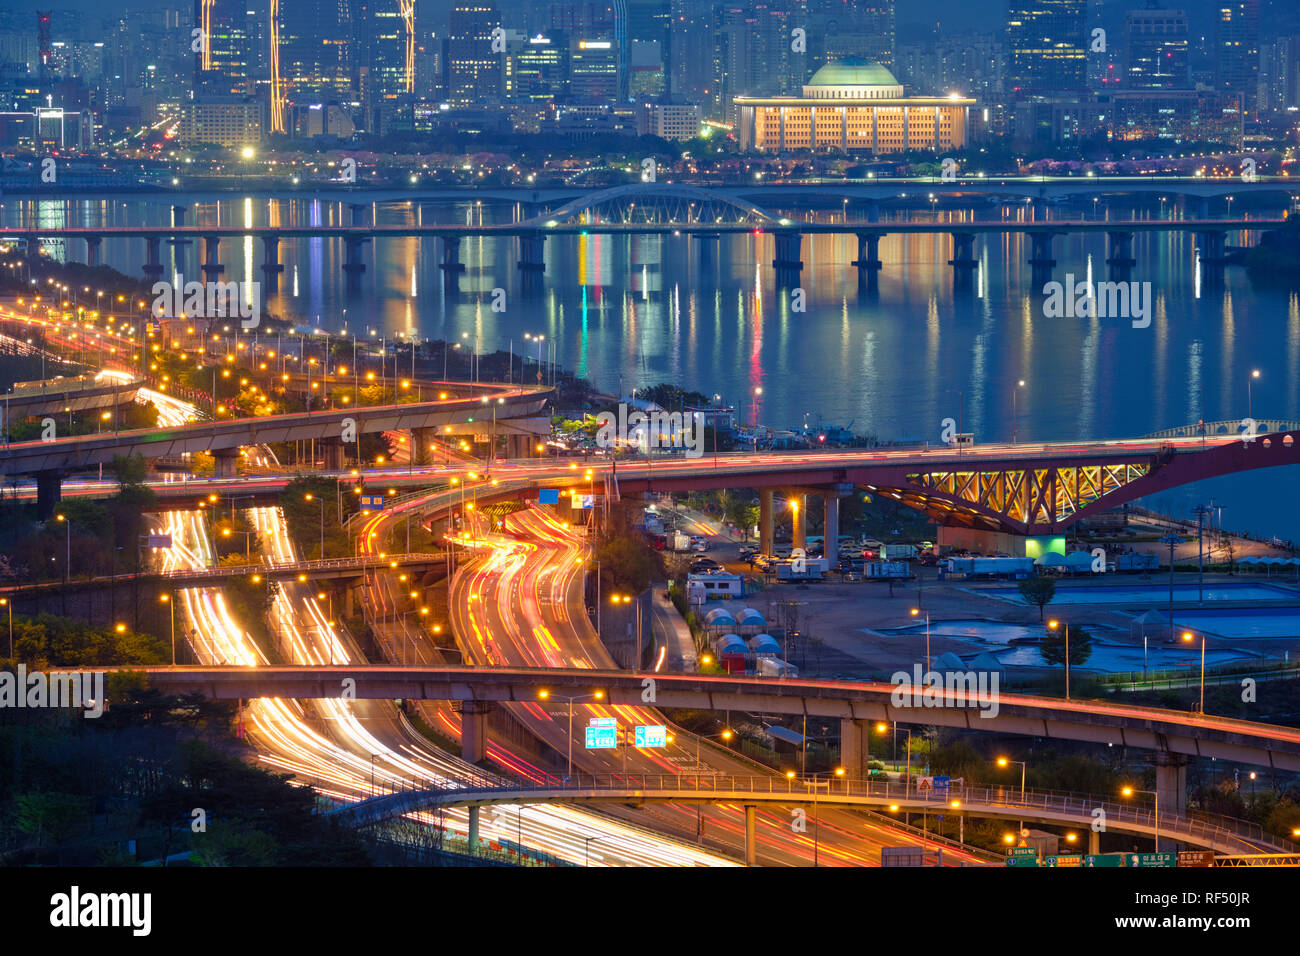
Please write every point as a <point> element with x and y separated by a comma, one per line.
<point>33,244</point>
<point>49,492</point>
<point>855,747</point>
<point>349,601</point>
<point>963,251</point>
<point>332,452</point>
<point>421,441</point>
<point>787,264</point>
<point>153,269</point>
<point>532,252</point>
<point>353,267</point>
<point>360,213</point>
<point>520,446</point>
<point>473,830</point>
<point>751,836</point>
<point>1120,249</point>
<point>709,243</point>
<point>271,267</point>
<point>212,267</point>
<point>225,460</point>
<point>1040,254</point>
<point>473,730</point>
<point>798,519</point>
<point>868,260</point>
<point>765,508</point>
<point>831,526</point>
<point>1171,785</point>
<point>92,250</point>
<point>178,219</point>
<point>1094,842</point>
<point>1211,246</point>
<point>1202,207</point>
<point>451,265</point>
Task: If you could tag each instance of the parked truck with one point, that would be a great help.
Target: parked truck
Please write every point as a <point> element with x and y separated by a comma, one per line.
<point>678,541</point>
<point>884,570</point>
<point>898,552</point>
<point>803,569</point>
<point>990,567</point>
<point>774,667</point>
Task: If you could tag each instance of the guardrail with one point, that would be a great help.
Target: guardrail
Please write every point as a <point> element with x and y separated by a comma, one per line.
<point>1223,833</point>
<point>301,567</point>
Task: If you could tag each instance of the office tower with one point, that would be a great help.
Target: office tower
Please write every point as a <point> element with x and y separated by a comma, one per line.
<point>1156,54</point>
<point>1047,46</point>
<point>473,66</point>
<point>225,65</point>
<point>315,50</point>
<point>536,68</point>
<point>1279,79</point>
<point>1236,47</point>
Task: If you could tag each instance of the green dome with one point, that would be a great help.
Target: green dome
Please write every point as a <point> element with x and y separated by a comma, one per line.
<point>853,71</point>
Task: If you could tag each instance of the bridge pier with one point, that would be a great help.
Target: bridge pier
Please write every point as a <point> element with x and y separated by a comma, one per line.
<point>473,831</point>
<point>1040,255</point>
<point>751,835</point>
<point>153,269</point>
<point>212,267</point>
<point>1094,842</point>
<point>831,526</point>
<point>422,444</point>
<point>963,252</point>
<point>224,462</point>
<point>332,452</point>
<point>787,263</point>
<point>1120,248</point>
<point>1171,787</point>
<point>271,267</point>
<point>1211,245</point>
<point>93,244</point>
<point>178,219</point>
<point>451,265</point>
<point>353,267</point>
<point>33,248</point>
<point>855,747</point>
<point>766,498</point>
<point>519,446</point>
<point>868,261</point>
<point>532,252</point>
<point>710,243</point>
<point>473,730</point>
<point>360,213</point>
<point>49,492</point>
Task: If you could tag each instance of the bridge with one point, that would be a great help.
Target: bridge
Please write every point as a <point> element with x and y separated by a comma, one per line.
<point>1222,834</point>
<point>51,460</point>
<point>672,209</point>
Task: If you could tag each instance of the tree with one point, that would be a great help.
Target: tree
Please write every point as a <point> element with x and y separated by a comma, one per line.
<point>627,563</point>
<point>1053,646</point>
<point>1038,591</point>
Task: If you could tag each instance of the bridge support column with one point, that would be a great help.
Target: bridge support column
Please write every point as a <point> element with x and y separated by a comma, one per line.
<point>519,446</point>
<point>831,527</point>
<point>178,219</point>
<point>963,252</point>
<point>360,213</point>
<point>1094,842</point>
<point>868,261</point>
<point>271,267</point>
<point>1210,248</point>
<point>798,519</point>
<point>451,265</point>
<point>787,263</point>
<point>709,244</point>
<point>212,267</point>
<point>353,267</point>
<point>93,244</point>
<point>855,747</point>
<point>765,507</point>
<point>532,252</point>
<point>1120,247</point>
<point>473,730</point>
<point>1040,251</point>
<point>473,831</point>
<point>225,460</point>
<point>153,269</point>
<point>422,444</point>
<point>33,248</point>
<point>49,492</point>
<point>1202,207</point>
<point>349,601</point>
<point>1171,785</point>
<point>332,452</point>
<point>751,835</point>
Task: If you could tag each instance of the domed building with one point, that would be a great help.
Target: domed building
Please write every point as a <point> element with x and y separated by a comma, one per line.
<point>852,105</point>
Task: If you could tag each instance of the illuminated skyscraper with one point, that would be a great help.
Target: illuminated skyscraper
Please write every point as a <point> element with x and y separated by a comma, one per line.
<point>224,67</point>
<point>1047,46</point>
<point>1236,47</point>
<point>1156,50</point>
<point>316,50</point>
<point>473,67</point>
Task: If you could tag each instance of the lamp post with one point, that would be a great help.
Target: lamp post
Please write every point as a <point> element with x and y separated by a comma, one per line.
<point>1014,392</point>
<point>1254,374</point>
<point>1005,761</point>
<point>171,608</point>
<point>1189,636</point>
<point>1130,791</point>
<point>546,695</point>
<point>628,599</point>
<point>881,728</point>
<point>67,562</point>
<point>10,607</point>
<point>308,497</point>
<point>915,612</point>
<point>1052,625</point>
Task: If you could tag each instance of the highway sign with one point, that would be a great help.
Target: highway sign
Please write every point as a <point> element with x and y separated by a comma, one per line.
<point>1104,859</point>
<point>1196,858</point>
<point>651,735</point>
<point>372,502</point>
<point>942,784</point>
<point>602,738</point>
<point>1023,856</point>
<point>548,496</point>
<point>1068,860</point>
<point>1149,859</point>
<point>158,541</point>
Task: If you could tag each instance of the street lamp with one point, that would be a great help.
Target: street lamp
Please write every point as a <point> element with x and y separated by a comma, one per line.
<point>546,695</point>
<point>67,563</point>
<point>1005,761</point>
<point>171,607</point>
<point>628,599</point>
<point>915,612</point>
<point>5,602</point>
<point>1130,791</point>
<point>1254,374</point>
<point>1052,625</point>
<point>882,728</point>
<point>308,497</point>
<point>1189,636</point>
<point>1014,392</point>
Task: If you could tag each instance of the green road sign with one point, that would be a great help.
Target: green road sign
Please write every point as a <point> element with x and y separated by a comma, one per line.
<point>1104,859</point>
<point>1023,856</point>
<point>1069,860</point>
<point>1150,859</point>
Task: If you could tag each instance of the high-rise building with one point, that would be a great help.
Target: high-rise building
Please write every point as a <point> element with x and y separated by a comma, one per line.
<point>224,67</point>
<point>536,69</point>
<point>473,66</point>
<point>593,71</point>
<point>386,61</point>
<point>1236,43</point>
<point>1156,54</point>
<point>1047,46</point>
<point>1279,79</point>
<point>316,56</point>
